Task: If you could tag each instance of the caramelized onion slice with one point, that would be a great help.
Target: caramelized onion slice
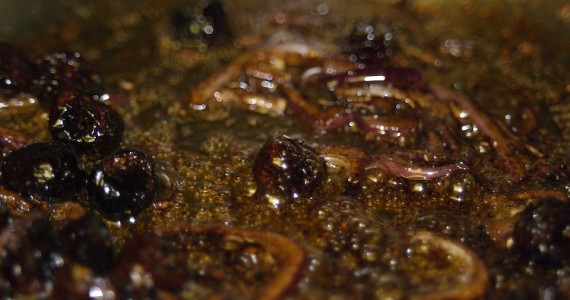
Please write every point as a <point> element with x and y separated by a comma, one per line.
<point>505,142</point>
<point>204,91</point>
<point>289,256</point>
<point>472,282</point>
<point>414,172</point>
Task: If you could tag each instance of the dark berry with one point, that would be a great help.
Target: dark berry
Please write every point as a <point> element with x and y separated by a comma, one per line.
<point>88,241</point>
<point>49,170</point>
<point>123,184</point>
<point>87,125</point>
<point>65,71</point>
<point>288,167</point>
<point>542,232</point>
<point>16,70</point>
<point>204,22</point>
<point>370,42</point>
<point>31,254</point>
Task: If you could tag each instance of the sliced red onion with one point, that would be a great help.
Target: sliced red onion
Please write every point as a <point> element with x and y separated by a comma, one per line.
<point>412,171</point>
<point>399,77</point>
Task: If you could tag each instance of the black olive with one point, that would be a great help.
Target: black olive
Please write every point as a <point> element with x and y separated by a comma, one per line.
<point>371,42</point>
<point>65,71</point>
<point>49,170</point>
<point>88,241</point>
<point>87,125</point>
<point>123,184</point>
<point>288,167</point>
<point>542,232</point>
<point>204,22</point>
<point>16,70</point>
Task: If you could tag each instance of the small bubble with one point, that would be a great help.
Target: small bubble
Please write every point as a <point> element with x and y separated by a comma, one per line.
<point>418,187</point>
<point>322,9</point>
<point>369,255</point>
<point>461,188</point>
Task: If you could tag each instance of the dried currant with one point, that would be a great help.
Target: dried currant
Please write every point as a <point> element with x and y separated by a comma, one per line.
<point>205,22</point>
<point>65,71</point>
<point>87,125</point>
<point>370,42</point>
<point>49,170</point>
<point>88,241</point>
<point>123,184</point>
<point>16,70</point>
<point>288,167</point>
<point>542,232</point>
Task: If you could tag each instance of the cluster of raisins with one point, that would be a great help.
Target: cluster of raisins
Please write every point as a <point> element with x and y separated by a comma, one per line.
<point>78,261</point>
<point>84,129</point>
<point>41,259</point>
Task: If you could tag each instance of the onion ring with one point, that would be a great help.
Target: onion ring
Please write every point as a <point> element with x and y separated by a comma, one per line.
<point>473,281</point>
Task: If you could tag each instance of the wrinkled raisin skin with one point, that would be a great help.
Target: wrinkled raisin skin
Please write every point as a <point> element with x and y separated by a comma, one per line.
<point>87,125</point>
<point>288,167</point>
<point>65,71</point>
<point>49,170</point>
<point>123,184</point>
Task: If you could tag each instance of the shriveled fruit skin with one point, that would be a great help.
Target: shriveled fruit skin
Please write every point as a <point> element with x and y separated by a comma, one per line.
<point>89,126</point>
<point>50,170</point>
<point>65,71</point>
<point>288,167</point>
<point>123,184</point>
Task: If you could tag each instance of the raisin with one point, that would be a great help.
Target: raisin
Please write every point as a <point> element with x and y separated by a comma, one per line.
<point>288,167</point>
<point>371,42</point>
<point>65,71</point>
<point>87,125</point>
<point>205,22</point>
<point>542,232</point>
<point>123,184</point>
<point>16,70</point>
<point>32,256</point>
<point>48,170</point>
<point>88,241</point>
